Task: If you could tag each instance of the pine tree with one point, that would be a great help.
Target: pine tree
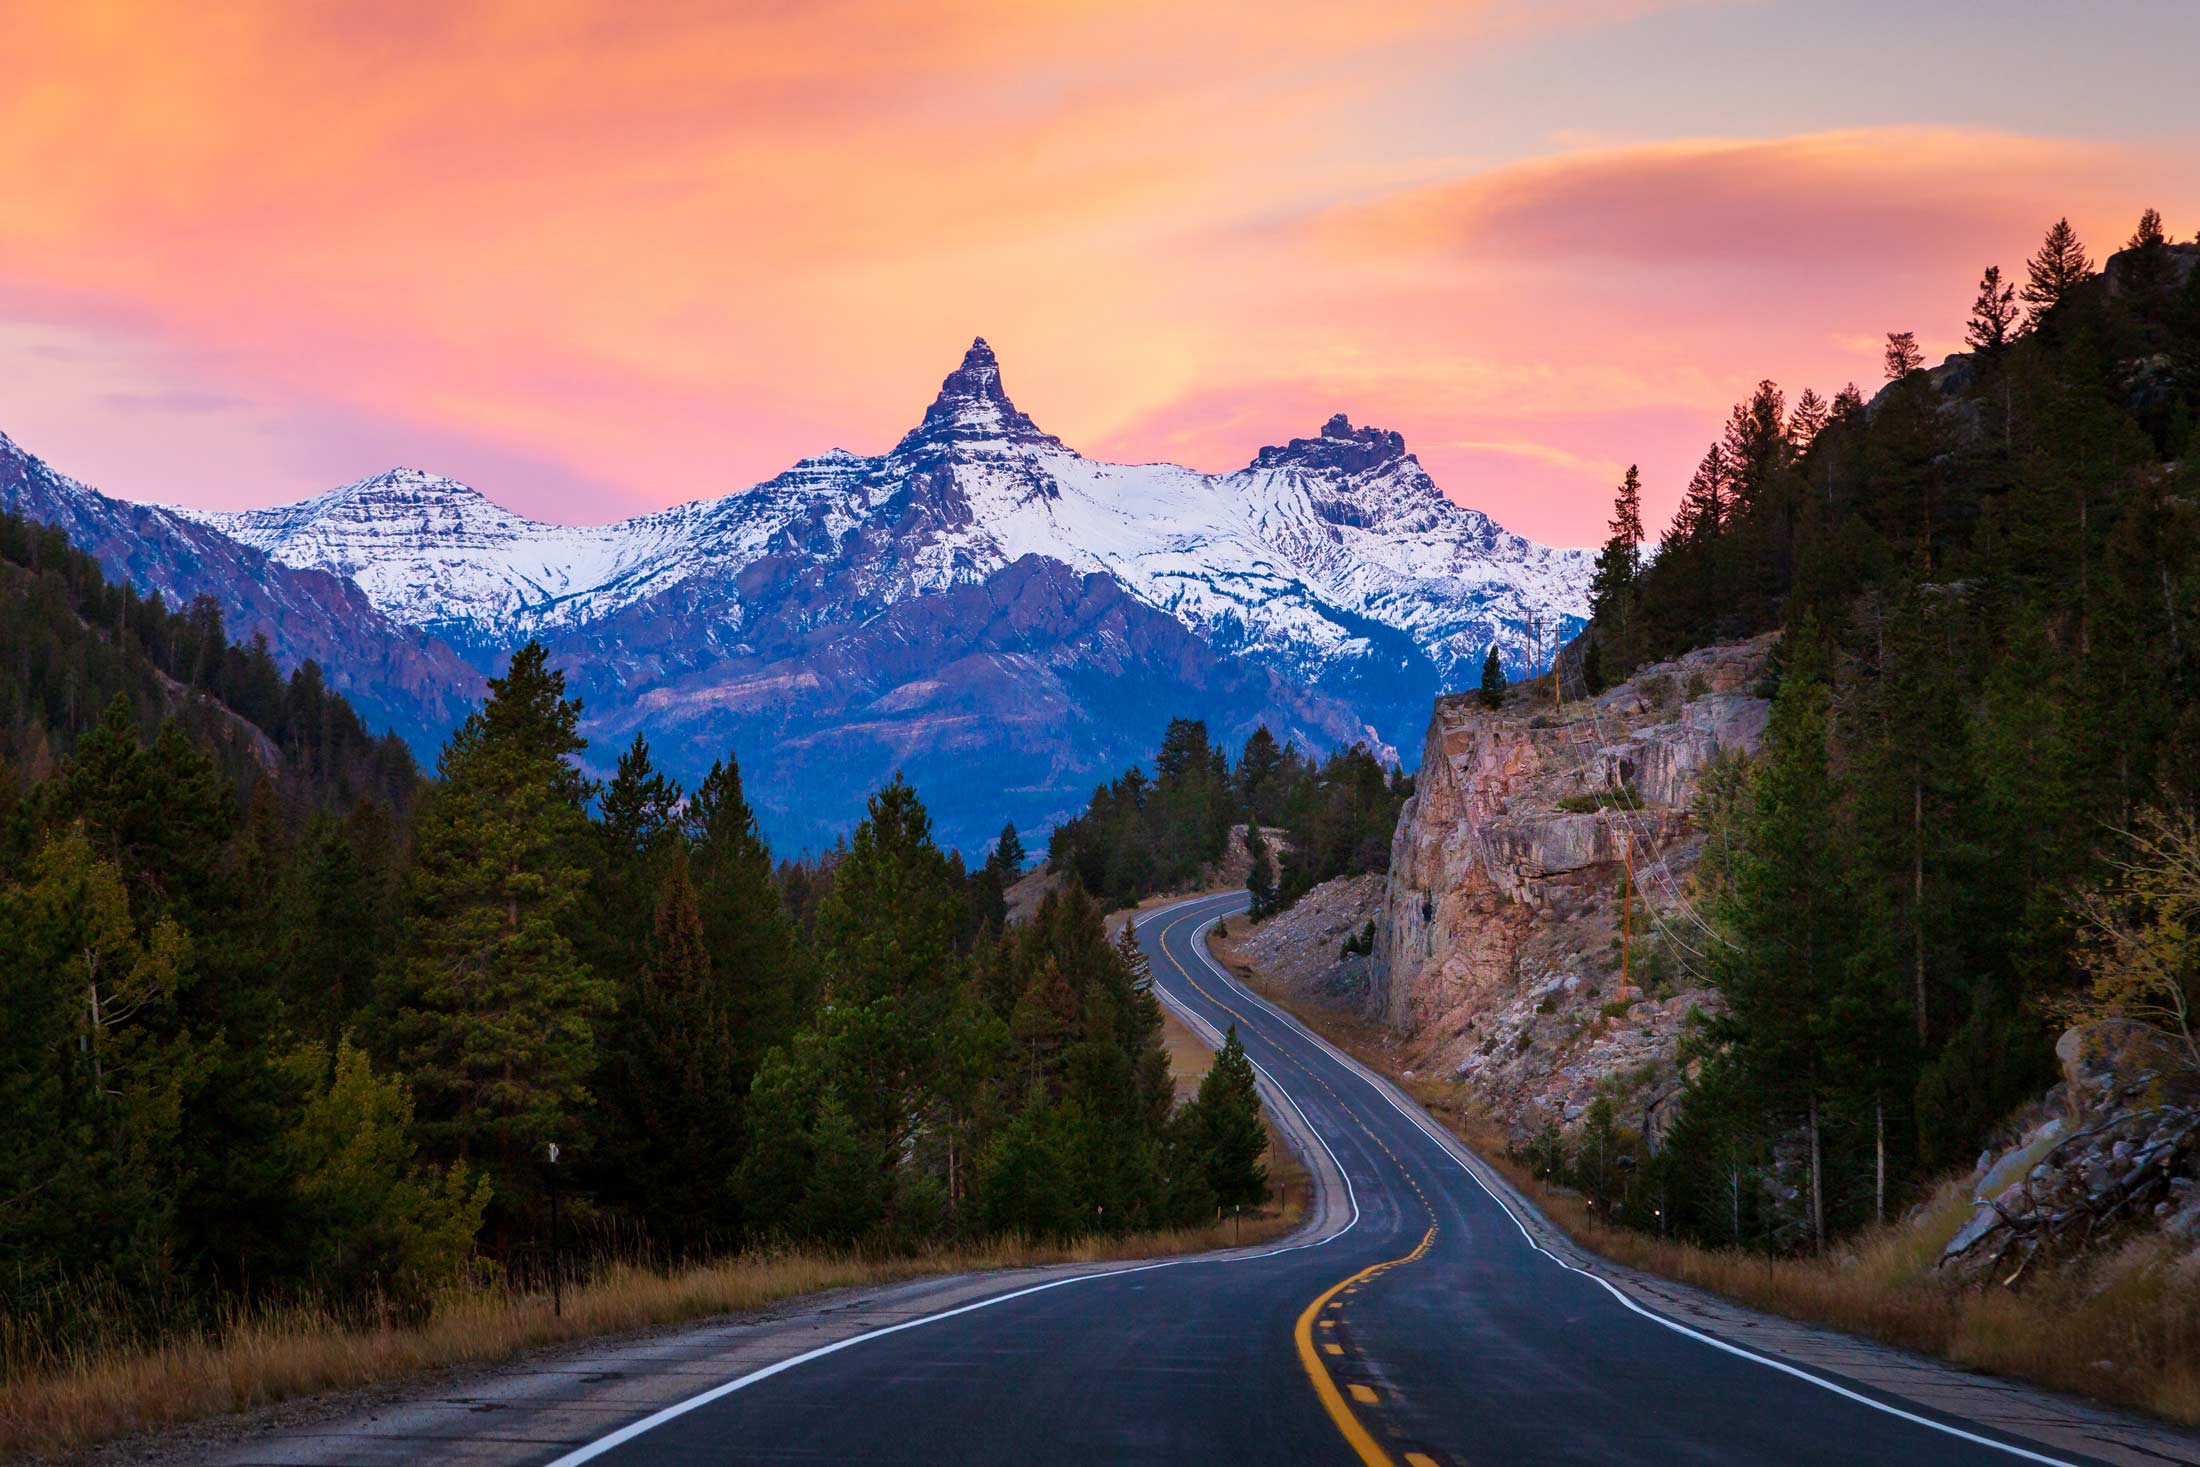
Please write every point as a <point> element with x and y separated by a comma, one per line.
<point>1493,679</point>
<point>1792,928</point>
<point>348,896</point>
<point>1231,1136</point>
<point>887,928</point>
<point>1593,679</point>
<point>1260,880</point>
<point>1619,563</point>
<point>1044,1020</point>
<point>1993,314</point>
<point>2148,268</point>
<point>1755,445</point>
<point>95,1077</point>
<point>759,971</point>
<point>845,1195</point>
<point>1706,502</point>
<point>1007,858</point>
<point>1903,355</point>
<point>640,804</point>
<point>378,1225</point>
<point>1003,868</point>
<point>1258,786</point>
<point>679,1090</point>
<point>2060,267</point>
<point>1807,421</point>
<point>639,820</point>
<point>1137,968</point>
<point>491,1014</point>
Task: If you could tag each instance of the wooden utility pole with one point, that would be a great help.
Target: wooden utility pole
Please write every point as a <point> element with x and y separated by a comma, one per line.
<point>1627,909</point>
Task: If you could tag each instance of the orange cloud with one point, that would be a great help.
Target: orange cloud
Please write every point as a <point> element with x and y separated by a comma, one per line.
<point>595,258</point>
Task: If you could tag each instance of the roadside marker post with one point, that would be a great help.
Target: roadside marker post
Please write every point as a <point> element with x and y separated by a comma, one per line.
<point>557,1282</point>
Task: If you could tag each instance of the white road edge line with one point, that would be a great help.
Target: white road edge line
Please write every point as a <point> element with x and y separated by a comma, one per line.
<point>627,1433</point>
<point>1451,1146</point>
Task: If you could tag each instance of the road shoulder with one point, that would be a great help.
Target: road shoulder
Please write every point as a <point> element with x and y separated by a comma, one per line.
<point>2052,1422</point>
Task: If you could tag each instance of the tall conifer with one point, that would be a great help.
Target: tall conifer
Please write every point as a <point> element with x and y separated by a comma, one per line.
<point>491,1013</point>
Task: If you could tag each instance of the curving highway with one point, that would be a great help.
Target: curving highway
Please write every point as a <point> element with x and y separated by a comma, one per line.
<point>1416,1322</point>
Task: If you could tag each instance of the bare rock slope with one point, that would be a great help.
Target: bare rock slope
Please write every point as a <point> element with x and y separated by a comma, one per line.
<point>1304,949</point>
<point>1499,951</point>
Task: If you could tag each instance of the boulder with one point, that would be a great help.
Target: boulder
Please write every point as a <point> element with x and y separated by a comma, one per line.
<point>2097,1057</point>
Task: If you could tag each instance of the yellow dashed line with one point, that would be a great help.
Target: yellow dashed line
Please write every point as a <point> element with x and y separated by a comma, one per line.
<point>1325,1386</point>
<point>1356,1435</point>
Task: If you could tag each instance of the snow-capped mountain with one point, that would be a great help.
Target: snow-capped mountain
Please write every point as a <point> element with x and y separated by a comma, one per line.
<point>398,677</point>
<point>1305,558</point>
<point>981,608</point>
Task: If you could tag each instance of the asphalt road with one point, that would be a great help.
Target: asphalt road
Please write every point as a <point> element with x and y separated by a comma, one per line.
<point>1424,1328</point>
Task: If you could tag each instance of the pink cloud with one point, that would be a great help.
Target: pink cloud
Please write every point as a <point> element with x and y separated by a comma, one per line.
<point>598,259</point>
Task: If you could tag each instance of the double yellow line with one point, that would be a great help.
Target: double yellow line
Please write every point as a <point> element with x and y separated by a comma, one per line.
<point>1361,1440</point>
<point>1325,1385</point>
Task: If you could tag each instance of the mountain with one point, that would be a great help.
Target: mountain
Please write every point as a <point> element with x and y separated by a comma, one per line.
<point>1334,559</point>
<point>396,676</point>
<point>982,607</point>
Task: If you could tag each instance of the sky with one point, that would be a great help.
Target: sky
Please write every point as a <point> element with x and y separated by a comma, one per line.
<point>595,258</point>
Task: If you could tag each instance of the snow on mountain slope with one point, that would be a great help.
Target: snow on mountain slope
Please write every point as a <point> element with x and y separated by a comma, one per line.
<point>396,676</point>
<point>1305,557</point>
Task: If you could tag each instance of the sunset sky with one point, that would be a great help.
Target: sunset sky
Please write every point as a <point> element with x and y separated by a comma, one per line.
<point>594,263</point>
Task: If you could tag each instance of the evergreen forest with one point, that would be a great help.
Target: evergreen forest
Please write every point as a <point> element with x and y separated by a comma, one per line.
<point>1985,733</point>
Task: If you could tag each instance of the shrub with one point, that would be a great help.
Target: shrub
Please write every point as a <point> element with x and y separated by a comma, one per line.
<point>1589,802</point>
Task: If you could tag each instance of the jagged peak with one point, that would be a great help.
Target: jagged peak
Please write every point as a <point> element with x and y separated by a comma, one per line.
<point>1340,446</point>
<point>973,406</point>
<point>406,480</point>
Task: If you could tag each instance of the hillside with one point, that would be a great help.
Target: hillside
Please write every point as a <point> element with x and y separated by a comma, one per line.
<point>80,647</point>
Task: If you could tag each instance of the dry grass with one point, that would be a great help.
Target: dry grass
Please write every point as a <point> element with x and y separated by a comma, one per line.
<point>2123,1328</point>
<point>276,1356</point>
<point>1189,1055</point>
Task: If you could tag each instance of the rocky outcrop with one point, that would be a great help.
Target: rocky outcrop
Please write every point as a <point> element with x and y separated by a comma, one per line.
<point>1316,948</point>
<point>1499,953</point>
<point>2112,1150</point>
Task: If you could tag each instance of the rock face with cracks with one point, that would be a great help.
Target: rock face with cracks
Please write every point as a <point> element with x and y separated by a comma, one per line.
<point>1499,951</point>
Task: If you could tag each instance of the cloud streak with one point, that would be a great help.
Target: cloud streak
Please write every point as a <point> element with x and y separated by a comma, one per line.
<point>596,262</point>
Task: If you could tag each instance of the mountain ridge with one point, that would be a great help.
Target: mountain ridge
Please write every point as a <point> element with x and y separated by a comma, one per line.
<point>979,607</point>
<point>1312,540</point>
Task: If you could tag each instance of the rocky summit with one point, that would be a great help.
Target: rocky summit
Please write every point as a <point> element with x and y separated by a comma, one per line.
<point>979,597</point>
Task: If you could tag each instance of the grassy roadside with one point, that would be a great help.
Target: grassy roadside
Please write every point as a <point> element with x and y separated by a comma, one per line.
<point>269,1355</point>
<point>2124,1328</point>
<point>280,1355</point>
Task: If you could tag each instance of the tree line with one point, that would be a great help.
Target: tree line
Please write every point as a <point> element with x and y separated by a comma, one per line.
<point>1140,834</point>
<point>315,1040</point>
<point>73,640</point>
<point>1988,590</point>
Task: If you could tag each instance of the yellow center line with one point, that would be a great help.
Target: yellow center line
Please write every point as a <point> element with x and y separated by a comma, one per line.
<point>1365,1395</point>
<point>1325,1385</point>
<point>1356,1435</point>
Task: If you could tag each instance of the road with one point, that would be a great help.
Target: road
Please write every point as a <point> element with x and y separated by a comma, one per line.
<point>1425,1327</point>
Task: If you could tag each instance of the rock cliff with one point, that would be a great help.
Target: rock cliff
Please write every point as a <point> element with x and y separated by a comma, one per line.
<point>1498,955</point>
